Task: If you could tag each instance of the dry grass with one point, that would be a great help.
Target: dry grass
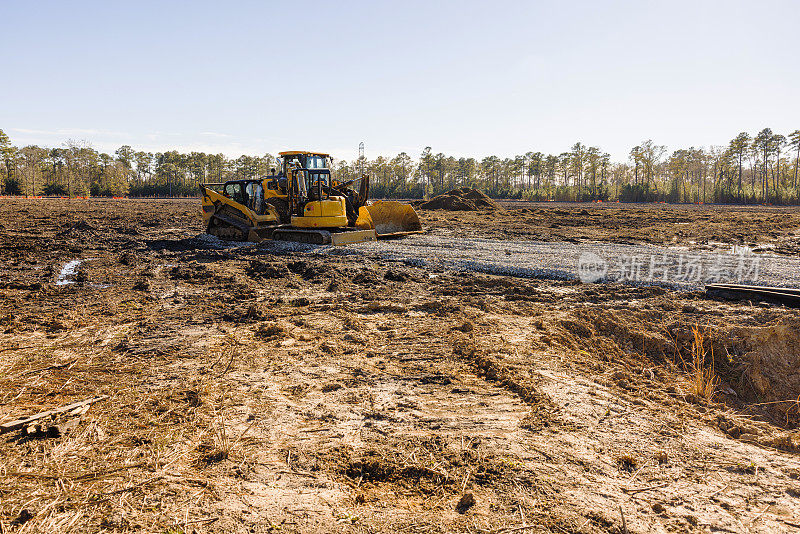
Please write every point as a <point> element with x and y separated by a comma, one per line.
<point>110,471</point>
<point>703,381</point>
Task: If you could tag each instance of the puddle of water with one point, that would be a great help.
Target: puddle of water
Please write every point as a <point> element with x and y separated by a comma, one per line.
<point>68,272</point>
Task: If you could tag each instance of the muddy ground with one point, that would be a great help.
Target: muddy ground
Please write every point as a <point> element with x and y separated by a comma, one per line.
<point>260,389</point>
<point>776,229</point>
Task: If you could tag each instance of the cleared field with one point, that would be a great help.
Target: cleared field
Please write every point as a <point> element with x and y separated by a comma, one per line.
<point>265,388</point>
<point>700,227</point>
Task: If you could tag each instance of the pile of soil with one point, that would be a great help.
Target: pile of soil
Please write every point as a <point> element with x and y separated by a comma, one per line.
<point>757,365</point>
<point>770,360</point>
<point>463,199</point>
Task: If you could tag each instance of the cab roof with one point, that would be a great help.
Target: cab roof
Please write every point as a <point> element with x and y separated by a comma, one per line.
<point>302,152</point>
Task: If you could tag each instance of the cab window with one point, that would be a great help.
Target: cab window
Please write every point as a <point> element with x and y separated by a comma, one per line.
<point>233,190</point>
<point>315,162</point>
<point>315,177</point>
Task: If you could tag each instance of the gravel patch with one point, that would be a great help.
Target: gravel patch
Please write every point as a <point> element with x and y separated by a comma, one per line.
<point>635,264</point>
<point>671,267</point>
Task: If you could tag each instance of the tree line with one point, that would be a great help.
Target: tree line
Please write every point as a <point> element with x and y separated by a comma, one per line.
<point>760,168</point>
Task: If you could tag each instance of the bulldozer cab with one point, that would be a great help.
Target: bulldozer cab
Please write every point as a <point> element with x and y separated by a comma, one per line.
<point>310,195</point>
<point>313,201</point>
<point>311,184</point>
<point>305,160</point>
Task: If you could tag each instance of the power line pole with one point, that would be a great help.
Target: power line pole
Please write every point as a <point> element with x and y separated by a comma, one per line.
<point>361,159</point>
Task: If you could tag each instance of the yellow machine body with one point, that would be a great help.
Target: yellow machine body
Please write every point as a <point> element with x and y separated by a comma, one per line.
<point>241,222</point>
<point>353,236</point>
<point>303,203</point>
<point>330,213</point>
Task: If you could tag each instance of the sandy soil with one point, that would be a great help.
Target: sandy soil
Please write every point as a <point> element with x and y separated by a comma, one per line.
<point>255,389</point>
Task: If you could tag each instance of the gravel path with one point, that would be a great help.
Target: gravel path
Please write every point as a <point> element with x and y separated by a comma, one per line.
<point>672,267</point>
<point>635,264</point>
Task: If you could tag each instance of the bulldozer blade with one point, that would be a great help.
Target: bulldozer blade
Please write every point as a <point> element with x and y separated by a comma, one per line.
<point>391,218</point>
<point>364,221</point>
<point>323,237</point>
<point>355,236</point>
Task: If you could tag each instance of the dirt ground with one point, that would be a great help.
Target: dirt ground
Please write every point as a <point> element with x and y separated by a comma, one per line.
<point>258,389</point>
<point>773,229</point>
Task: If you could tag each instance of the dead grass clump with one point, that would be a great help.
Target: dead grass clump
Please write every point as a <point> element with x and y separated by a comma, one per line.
<point>626,462</point>
<point>465,327</point>
<point>703,381</point>
<point>270,331</point>
<point>245,314</point>
<point>210,454</point>
<point>261,269</point>
<point>218,445</point>
<point>172,408</point>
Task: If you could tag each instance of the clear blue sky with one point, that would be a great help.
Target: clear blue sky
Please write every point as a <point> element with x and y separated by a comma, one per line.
<point>466,78</point>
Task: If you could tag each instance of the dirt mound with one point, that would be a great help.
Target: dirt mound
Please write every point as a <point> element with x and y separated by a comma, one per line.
<point>758,365</point>
<point>72,228</point>
<point>463,199</point>
<point>770,366</point>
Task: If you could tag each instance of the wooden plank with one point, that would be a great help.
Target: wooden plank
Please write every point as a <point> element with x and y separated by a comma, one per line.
<point>790,290</point>
<point>788,297</point>
<point>20,423</point>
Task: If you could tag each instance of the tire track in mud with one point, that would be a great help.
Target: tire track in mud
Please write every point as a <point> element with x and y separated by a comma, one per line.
<point>542,408</point>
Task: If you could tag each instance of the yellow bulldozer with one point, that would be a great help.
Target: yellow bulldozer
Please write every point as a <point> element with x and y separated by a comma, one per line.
<point>302,202</point>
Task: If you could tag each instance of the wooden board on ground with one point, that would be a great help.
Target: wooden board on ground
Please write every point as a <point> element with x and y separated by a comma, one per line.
<point>21,423</point>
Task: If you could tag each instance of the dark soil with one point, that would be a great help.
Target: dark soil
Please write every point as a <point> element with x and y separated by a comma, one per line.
<point>463,199</point>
